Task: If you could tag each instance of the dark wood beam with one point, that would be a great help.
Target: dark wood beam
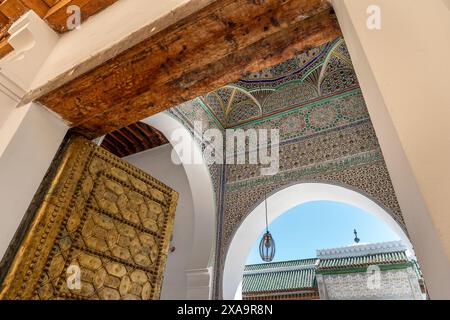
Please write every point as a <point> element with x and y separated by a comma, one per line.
<point>215,46</point>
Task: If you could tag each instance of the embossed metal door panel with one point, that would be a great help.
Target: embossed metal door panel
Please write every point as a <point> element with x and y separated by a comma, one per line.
<point>102,220</point>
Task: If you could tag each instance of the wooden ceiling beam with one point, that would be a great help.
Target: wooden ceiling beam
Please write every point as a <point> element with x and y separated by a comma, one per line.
<point>215,46</point>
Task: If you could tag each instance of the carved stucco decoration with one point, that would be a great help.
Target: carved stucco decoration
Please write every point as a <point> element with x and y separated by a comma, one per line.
<point>326,135</point>
<point>106,217</point>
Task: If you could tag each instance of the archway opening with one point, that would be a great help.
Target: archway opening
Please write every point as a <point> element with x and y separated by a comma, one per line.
<point>288,199</point>
<point>315,225</point>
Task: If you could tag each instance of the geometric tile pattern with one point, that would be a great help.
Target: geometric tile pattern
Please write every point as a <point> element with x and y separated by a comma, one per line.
<point>315,74</point>
<point>396,284</point>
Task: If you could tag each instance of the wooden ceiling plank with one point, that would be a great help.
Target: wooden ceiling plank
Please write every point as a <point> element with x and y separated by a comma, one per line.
<point>39,6</point>
<point>111,147</point>
<point>156,137</point>
<point>153,136</point>
<point>5,47</point>
<point>135,134</point>
<point>122,133</point>
<point>121,142</point>
<point>138,137</point>
<point>51,3</point>
<point>12,9</point>
<point>133,139</point>
<point>142,135</point>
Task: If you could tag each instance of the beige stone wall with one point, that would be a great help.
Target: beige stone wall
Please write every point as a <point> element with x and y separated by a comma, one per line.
<point>393,285</point>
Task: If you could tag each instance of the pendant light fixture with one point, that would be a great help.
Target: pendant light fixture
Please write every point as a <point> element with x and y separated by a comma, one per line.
<point>267,245</point>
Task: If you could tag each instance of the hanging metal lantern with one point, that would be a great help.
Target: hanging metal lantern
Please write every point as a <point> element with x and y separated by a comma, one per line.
<point>267,245</point>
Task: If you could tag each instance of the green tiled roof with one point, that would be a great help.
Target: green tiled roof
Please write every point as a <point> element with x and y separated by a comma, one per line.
<point>283,264</point>
<point>279,276</point>
<point>361,261</point>
<point>301,274</point>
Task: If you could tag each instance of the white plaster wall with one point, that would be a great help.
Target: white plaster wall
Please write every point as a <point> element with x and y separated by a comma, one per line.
<point>157,162</point>
<point>12,122</point>
<point>403,71</point>
<point>29,140</point>
<point>6,104</point>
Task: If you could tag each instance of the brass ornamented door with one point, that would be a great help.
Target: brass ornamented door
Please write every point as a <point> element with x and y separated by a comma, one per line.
<point>101,232</point>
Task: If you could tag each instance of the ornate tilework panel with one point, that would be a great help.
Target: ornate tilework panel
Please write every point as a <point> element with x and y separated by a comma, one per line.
<point>312,152</point>
<point>399,284</point>
<point>325,135</point>
<point>311,76</point>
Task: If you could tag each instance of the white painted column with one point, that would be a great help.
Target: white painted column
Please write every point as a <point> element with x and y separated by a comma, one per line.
<point>199,284</point>
<point>29,140</point>
<point>404,70</point>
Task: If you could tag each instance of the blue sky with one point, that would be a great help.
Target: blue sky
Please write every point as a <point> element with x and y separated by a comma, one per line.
<point>319,225</point>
